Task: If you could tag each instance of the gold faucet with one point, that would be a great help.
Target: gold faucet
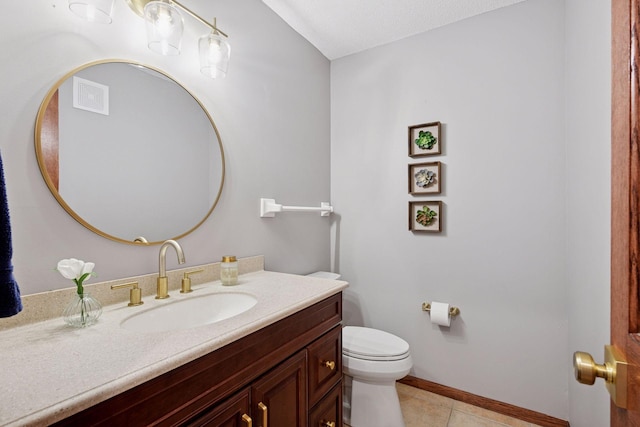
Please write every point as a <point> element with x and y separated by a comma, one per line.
<point>163,281</point>
<point>135,294</point>
<point>186,281</point>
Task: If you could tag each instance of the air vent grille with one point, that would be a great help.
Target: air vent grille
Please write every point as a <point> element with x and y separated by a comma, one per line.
<point>90,96</point>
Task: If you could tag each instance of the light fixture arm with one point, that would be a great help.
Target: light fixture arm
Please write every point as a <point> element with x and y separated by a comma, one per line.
<point>138,7</point>
<point>196,16</point>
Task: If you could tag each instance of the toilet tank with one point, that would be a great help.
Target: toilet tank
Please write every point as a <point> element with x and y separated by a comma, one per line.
<point>325,275</point>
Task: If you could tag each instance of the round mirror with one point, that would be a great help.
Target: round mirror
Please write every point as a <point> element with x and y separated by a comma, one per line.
<point>129,153</point>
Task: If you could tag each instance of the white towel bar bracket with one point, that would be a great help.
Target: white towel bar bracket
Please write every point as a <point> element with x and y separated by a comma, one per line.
<point>269,208</point>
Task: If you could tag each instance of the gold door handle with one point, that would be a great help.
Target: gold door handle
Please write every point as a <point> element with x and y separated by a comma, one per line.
<point>324,423</point>
<point>587,370</point>
<point>613,371</point>
<point>329,364</point>
<point>265,414</point>
<point>246,419</point>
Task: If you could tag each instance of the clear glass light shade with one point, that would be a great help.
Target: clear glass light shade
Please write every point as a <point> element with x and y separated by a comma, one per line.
<point>93,10</point>
<point>164,27</point>
<point>214,55</point>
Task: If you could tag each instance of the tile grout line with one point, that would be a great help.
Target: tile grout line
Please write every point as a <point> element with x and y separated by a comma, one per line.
<point>449,416</point>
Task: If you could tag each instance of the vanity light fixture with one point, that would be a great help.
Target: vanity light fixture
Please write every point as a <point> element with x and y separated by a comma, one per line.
<point>214,53</point>
<point>165,26</point>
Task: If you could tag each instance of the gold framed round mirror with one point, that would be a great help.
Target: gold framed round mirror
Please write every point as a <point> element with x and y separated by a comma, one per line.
<point>129,153</point>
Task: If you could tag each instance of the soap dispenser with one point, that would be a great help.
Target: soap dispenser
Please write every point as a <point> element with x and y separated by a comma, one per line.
<point>229,270</point>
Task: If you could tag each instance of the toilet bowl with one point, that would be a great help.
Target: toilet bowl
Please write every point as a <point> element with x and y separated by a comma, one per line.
<point>372,361</point>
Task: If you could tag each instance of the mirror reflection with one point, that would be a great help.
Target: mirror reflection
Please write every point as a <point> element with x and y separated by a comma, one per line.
<point>129,153</point>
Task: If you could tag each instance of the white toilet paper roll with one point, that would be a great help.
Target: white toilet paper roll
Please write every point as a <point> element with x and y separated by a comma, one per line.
<point>440,314</point>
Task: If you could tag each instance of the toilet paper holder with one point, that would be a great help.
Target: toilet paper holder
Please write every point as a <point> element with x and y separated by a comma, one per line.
<point>453,311</point>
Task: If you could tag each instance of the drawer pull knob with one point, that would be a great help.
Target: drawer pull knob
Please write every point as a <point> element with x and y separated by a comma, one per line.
<point>324,423</point>
<point>329,364</point>
<point>246,419</point>
<point>265,411</point>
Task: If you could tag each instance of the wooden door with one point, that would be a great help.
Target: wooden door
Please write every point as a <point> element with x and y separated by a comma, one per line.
<point>625,181</point>
<point>279,399</point>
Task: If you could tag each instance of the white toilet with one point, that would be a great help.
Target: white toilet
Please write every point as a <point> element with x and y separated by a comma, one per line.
<point>372,361</point>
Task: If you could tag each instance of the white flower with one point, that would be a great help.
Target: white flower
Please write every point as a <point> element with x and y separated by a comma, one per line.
<point>74,269</point>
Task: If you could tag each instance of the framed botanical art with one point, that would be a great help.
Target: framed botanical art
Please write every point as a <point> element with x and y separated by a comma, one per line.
<point>425,139</point>
<point>425,216</point>
<point>425,178</point>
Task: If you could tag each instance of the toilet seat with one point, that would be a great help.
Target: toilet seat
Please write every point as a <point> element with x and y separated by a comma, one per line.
<point>373,344</point>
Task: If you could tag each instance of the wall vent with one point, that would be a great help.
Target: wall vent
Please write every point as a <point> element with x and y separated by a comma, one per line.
<point>90,96</point>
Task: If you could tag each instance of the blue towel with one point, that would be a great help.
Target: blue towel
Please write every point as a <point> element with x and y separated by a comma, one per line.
<point>10,302</point>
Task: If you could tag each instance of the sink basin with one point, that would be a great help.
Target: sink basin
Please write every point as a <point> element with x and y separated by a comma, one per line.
<point>190,312</point>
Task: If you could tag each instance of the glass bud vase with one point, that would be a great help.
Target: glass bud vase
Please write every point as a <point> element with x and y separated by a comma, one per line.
<point>83,310</point>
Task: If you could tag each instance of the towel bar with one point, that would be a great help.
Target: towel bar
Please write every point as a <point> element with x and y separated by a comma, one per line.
<point>269,208</point>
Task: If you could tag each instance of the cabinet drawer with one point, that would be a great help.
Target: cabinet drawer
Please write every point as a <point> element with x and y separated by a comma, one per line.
<point>328,413</point>
<point>325,364</point>
<point>234,412</point>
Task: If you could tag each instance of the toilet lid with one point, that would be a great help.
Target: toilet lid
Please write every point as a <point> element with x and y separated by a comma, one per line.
<point>372,344</point>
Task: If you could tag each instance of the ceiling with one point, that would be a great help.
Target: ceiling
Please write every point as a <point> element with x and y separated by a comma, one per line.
<point>341,27</point>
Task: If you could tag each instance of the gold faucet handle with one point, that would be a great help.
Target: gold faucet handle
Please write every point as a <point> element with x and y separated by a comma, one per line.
<point>186,281</point>
<point>135,294</point>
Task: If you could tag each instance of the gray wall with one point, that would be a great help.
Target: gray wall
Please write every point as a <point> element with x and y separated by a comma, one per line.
<point>272,112</point>
<point>588,144</point>
<point>498,83</point>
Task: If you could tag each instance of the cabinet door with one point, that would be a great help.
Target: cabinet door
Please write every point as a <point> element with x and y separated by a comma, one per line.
<point>328,413</point>
<point>233,412</point>
<point>279,399</point>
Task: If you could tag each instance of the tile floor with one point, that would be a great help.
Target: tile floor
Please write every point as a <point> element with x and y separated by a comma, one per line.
<point>421,408</point>
<point>425,409</point>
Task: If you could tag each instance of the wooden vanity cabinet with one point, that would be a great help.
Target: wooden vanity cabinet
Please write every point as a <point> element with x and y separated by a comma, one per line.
<point>285,366</point>
<point>282,396</point>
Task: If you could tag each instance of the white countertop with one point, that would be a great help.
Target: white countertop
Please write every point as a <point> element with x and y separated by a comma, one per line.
<point>51,371</point>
